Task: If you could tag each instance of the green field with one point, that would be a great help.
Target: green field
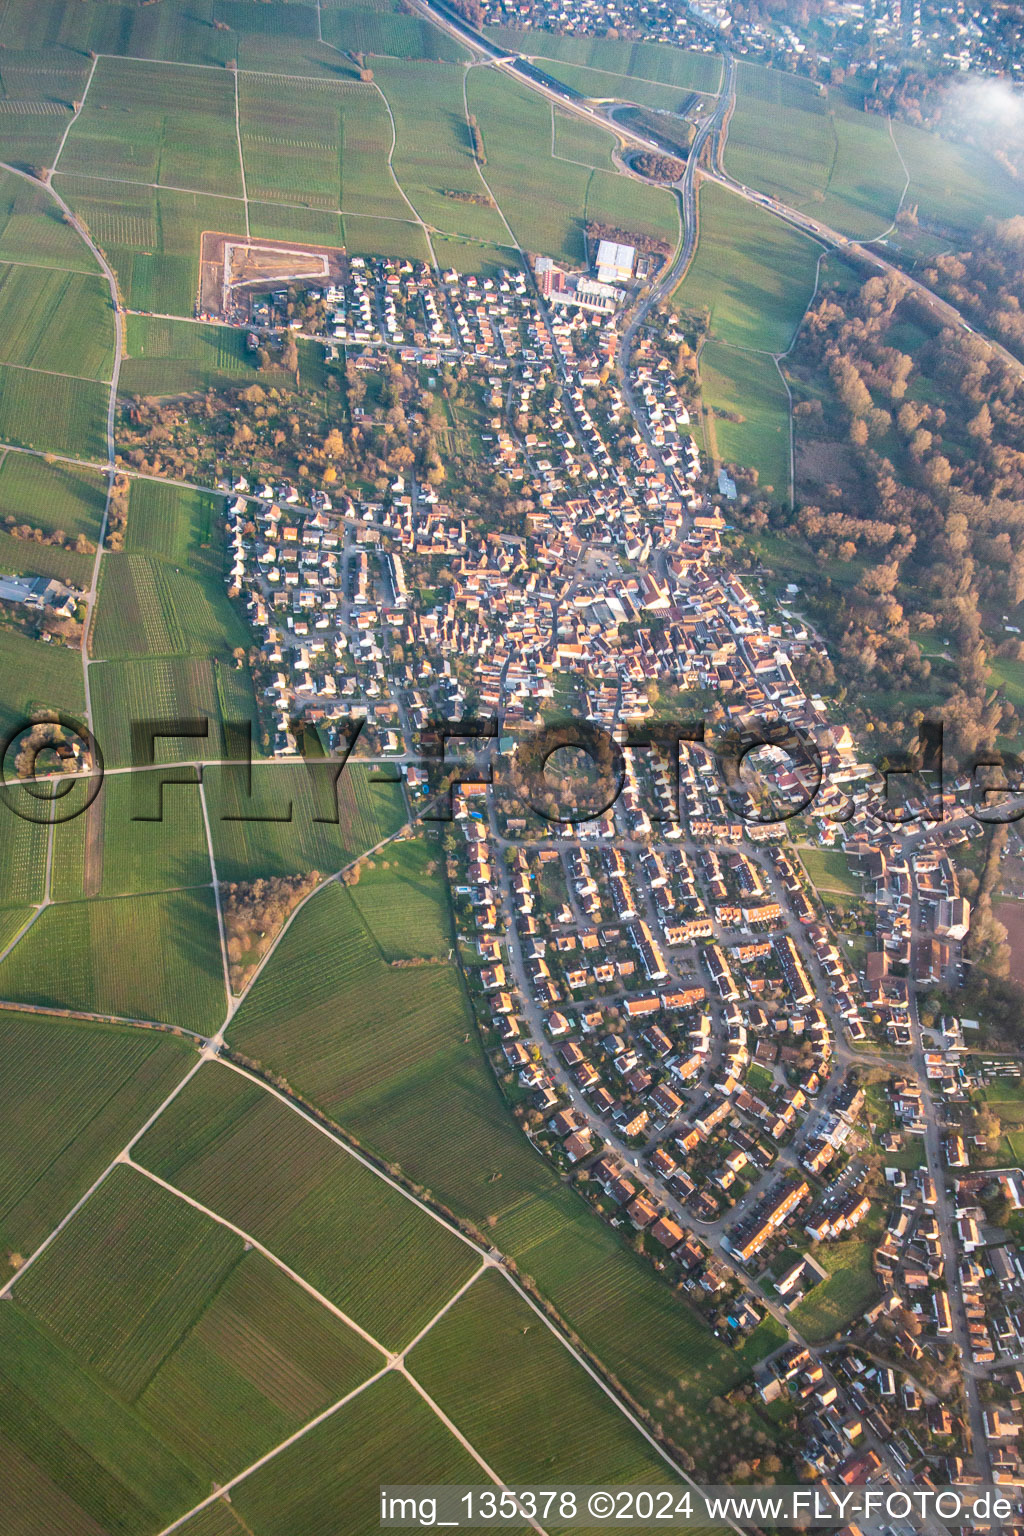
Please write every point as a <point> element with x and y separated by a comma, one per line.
<point>32,227</point>
<point>74,956</point>
<point>319,144</point>
<point>398,1060</point>
<point>79,1092</point>
<point>684,68</point>
<point>575,140</point>
<point>171,522</point>
<point>22,849</point>
<point>25,557</point>
<point>51,496</point>
<point>37,676</point>
<point>53,414</point>
<point>169,689</point>
<point>954,186</point>
<point>814,149</point>
<point>547,201</point>
<point>749,412</point>
<point>158,124</point>
<point>212,1346</point>
<point>165,357</point>
<point>327,1483</point>
<point>608,85</point>
<point>829,870</point>
<point>850,1289</point>
<point>54,321</point>
<point>233,1146</point>
<point>129,857</point>
<point>751,273</point>
<point>287,826</point>
<point>403,904</point>
<point>148,607</point>
<point>150,235</point>
<point>386,29</point>
<point>433,150</point>
<point>490,1363</point>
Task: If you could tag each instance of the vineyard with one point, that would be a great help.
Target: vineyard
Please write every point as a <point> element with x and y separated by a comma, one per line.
<point>228,1143</point>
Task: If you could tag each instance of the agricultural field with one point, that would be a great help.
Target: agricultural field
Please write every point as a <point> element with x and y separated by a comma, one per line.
<point>73,956</point>
<point>954,187</point>
<point>328,1480</point>
<point>37,676</point>
<point>328,1023</point>
<point>547,200</point>
<point>56,322</point>
<point>320,144</point>
<point>815,149</point>
<point>747,412</point>
<point>32,227</point>
<point>171,522</point>
<point>573,139</point>
<point>151,235</point>
<point>403,904</point>
<point>287,826</point>
<point>229,1143</point>
<point>158,124</point>
<point>169,688</point>
<point>433,155</point>
<point>608,85</point>
<point>392,1075</point>
<point>22,849</point>
<point>752,274</point>
<point>684,68</point>
<point>165,357</point>
<point>26,557</point>
<point>80,1091</point>
<point>211,1346</point>
<point>147,607</point>
<point>491,1363</point>
<point>385,29</point>
<point>108,852</point>
<point>51,496</point>
<point>53,414</point>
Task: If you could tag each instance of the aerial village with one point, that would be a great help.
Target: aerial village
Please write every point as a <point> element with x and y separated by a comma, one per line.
<point>673,1012</point>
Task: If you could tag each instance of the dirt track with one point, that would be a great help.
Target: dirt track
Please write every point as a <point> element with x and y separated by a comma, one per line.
<point>213,244</point>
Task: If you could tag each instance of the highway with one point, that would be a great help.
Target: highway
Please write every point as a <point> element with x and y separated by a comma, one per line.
<point>569,101</point>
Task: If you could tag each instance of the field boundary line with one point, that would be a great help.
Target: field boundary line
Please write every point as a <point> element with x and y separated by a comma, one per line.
<point>74,115</point>
<point>122,1157</point>
<point>117,1020</point>
<point>336,1136</point>
<point>480,170</point>
<point>487,1263</point>
<point>53,373</point>
<point>26,925</point>
<point>221,932</point>
<point>267,1253</point>
<point>241,158</point>
<point>394,177</point>
<point>275,1450</point>
<point>467,1445</point>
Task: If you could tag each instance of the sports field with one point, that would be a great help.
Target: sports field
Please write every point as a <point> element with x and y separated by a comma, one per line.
<point>74,957</point>
<point>748,412</point>
<point>752,274</point>
<point>79,1092</point>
